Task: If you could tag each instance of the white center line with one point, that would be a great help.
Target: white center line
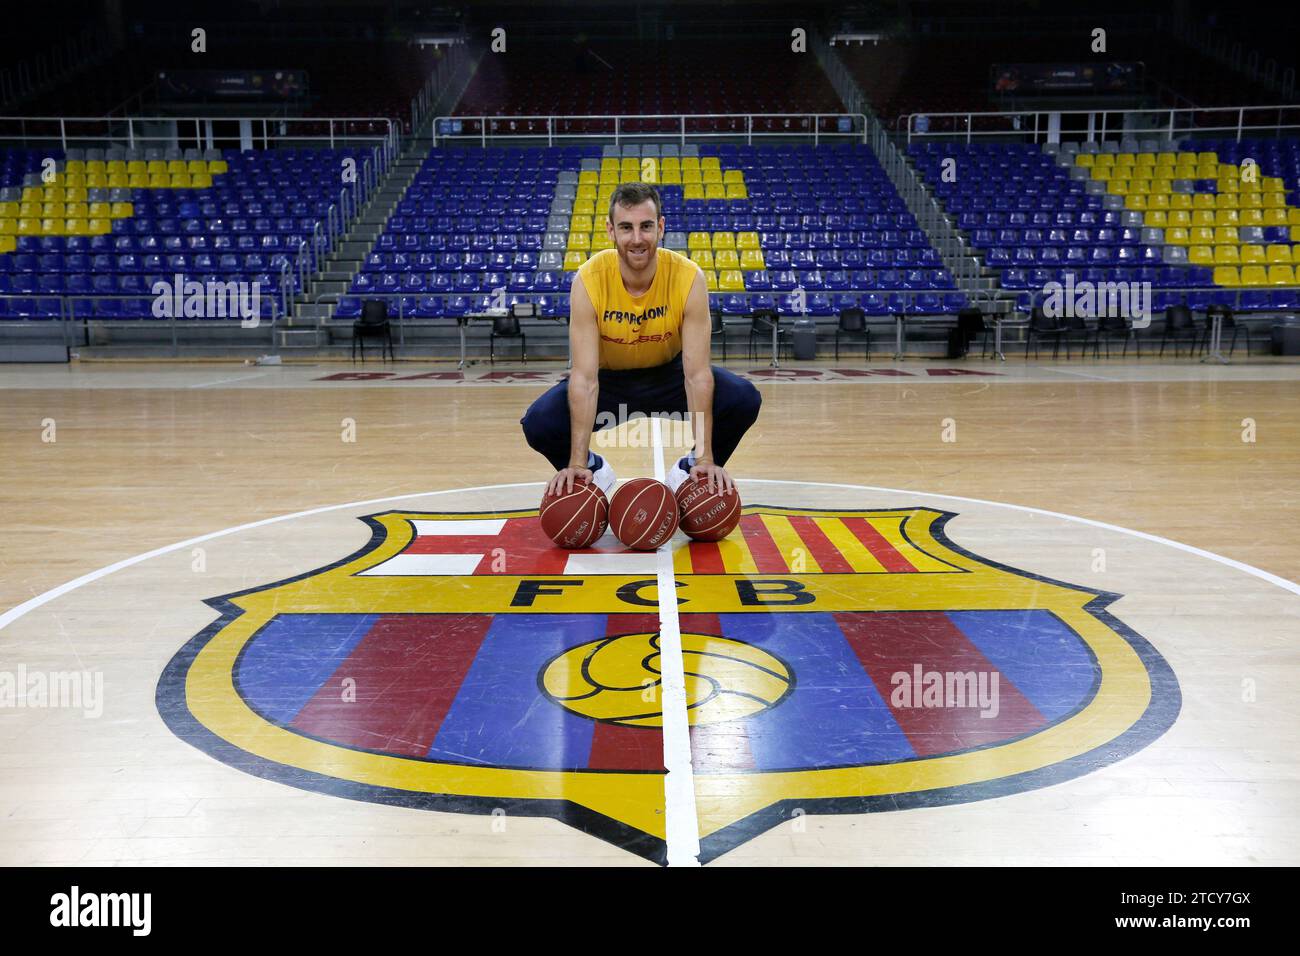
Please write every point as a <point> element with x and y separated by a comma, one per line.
<point>681,823</point>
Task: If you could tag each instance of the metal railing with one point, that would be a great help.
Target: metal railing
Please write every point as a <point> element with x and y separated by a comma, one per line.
<point>202,131</point>
<point>651,127</point>
<point>71,323</point>
<point>1044,125</point>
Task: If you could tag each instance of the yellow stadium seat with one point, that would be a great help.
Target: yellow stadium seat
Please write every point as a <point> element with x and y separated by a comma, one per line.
<point>671,178</point>
<point>737,191</point>
<point>751,260</point>
<point>1254,275</point>
<point>584,207</point>
<point>1105,159</point>
<point>196,166</point>
<point>28,226</point>
<point>218,166</point>
<point>8,243</point>
<point>726,259</point>
<point>134,166</point>
<point>711,175</point>
<point>724,240</point>
<point>581,224</point>
<point>1203,217</point>
<point>9,210</point>
<point>1227,276</point>
<point>1141,186</point>
<point>690,162</point>
<point>100,209</point>
<point>1177,237</point>
<point>1228,185</point>
<point>1185,171</point>
<point>671,164</point>
<point>715,191</point>
<point>75,179</point>
<point>600,241</point>
<point>691,176</point>
<point>579,240</point>
<point>1293,217</point>
<point>29,209</point>
<point>138,180</point>
<point>585,192</point>
<point>52,227</point>
<point>710,280</point>
<point>98,227</point>
<point>33,194</point>
<point>1201,255</point>
<point>733,176</point>
<point>1226,217</point>
<point>76,210</point>
<point>75,166</point>
<point>1278,253</point>
<point>692,191</point>
<point>1225,235</point>
<point>710,162</point>
<point>731,280</point>
<point>121,210</point>
<point>1166,159</point>
<point>1225,201</point>
<point>1203,201</point>
<point>115,166</point>
<point>1180,201</point>
<point>8,226</point>
<point>698,240</point>
<point>1157,202</point>
<point>1227,255</point>
<point>1158,218</point>
<point>153,166</point>
<point>1135,202</point>
<point>1104,173</point>
<point>96,166</point>
<point>1180,217</point>
<point>1250,200</point>
<point>1084,159</point>
<point>1271,184</point>
<point>1159,185</point>
<point>156,181</point>
<point>747,240</point>
<point>1252,254</point>
<point>573,260</point>
<point>1119,187</point>
<point>589,176</point>
<point>75,226</point>
<point>1274,200</point>
<point>176,166</point>
<point>1281,275</point>
<point>200,180</point>
<point>75,194</point>
<point>703,258</point>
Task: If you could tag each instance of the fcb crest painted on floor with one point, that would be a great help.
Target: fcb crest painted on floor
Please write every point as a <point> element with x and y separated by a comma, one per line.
<point>837,661</point>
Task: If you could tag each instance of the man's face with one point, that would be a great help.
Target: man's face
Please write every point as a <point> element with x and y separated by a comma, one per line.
<point>635,233</point>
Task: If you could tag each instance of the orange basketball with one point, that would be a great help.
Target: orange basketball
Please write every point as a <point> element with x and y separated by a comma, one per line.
<point>576,518</point>
<point>643,513</point>
<point>707,515</point>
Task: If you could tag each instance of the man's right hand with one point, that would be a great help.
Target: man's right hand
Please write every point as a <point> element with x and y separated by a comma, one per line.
<point>564,479</point>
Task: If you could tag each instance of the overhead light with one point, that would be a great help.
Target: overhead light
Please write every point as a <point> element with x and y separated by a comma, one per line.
<point>858,38</point>
<point>436,40</point>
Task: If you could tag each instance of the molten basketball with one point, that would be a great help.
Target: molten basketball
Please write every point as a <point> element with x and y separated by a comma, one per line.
<point>707,515</point>
<point>643,514</point>
<point>576,518</point>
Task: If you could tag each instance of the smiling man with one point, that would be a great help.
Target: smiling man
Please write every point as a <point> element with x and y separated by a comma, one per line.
<point>639,337</point>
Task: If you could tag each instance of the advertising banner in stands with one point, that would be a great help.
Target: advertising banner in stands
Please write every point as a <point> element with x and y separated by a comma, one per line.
<point>1029,79</point>
<point>226,86</point>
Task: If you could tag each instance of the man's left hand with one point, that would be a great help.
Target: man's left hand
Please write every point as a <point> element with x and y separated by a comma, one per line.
<point>714,475</point>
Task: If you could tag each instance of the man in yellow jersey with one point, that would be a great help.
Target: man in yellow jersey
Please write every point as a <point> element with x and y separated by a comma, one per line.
<point>639,337</point>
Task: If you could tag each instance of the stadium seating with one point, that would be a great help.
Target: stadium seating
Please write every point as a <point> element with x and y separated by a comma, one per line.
<point>1181,216</point>
<point>116,226</point>
<point>517,222</point>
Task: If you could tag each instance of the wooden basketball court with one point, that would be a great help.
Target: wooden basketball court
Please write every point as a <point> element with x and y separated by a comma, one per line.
<point>204,552</point>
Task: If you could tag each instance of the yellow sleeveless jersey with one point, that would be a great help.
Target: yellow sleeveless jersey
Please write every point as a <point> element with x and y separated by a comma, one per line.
<point>645,330</point>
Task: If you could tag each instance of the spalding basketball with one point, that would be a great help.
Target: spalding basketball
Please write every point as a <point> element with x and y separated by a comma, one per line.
<point>707,515</point>
<point>643,514</point>
<point>576,518</point>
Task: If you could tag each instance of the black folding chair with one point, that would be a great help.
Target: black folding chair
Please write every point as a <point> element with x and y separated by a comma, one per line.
<point>853,321</point>
<point>508,327</point>
<point>1040,326</point>
<point>373,324</point>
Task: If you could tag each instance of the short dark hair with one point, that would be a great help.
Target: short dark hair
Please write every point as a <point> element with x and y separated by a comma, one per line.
<point>634,194</point>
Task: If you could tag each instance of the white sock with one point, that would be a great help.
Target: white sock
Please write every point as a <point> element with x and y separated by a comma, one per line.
<point>591,459</point>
